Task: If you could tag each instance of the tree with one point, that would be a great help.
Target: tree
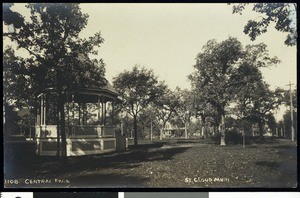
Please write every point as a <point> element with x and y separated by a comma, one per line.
<point>259,109</point>
<point>287,122</point>
<point>251,91</point>
<point>138,88</point>
<point>282,14</point>
<point>185,107</point>
<point>11,17</point>
<point>222,72</point>
<point>165,106</point>
<point>287,98</point>
<point>58,58</point>
<point>214,68</point>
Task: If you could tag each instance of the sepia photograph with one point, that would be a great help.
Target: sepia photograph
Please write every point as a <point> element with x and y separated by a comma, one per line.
<point>150,95</point>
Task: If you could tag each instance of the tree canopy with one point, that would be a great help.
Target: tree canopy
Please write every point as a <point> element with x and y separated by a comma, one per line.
<point>138,88</point>
<point>223,69</point>
<point>57,58</point>
<point>282,14</point>
<point>11,17</point>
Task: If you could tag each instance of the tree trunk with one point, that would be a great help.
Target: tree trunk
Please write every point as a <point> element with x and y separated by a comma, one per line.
<point>222,130</point>
<point>62,126</point>
<point>161,133</point>
<point>261,130</point>
<point>186,130</point>
<point>58,149</point>
<point>151,131</point>
<point>135,129</point>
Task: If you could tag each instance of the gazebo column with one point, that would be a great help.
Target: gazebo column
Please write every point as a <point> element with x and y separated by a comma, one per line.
<point>82,117</point>
<point>73,109</point>
<point>99,109</point>
<point>79,113</point>
<point>45,109</point>
<point>68,109</point>
<point>113,113</point>
<point>42,110</point>
<point>99,127</point>
<point>102,111</point>
<point>73,117</point>
<point>104,116</point>
<point>84,114</point>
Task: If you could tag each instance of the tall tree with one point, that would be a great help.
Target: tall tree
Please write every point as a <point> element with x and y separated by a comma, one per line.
<point>264,102</point>
<point>138,88</point>
<point>221,73</point>
<point>214,67</point>
<point>185,108</point>
<point>255,101</point>
<point>57,57</point>
<point>282,14</point>
<point>165,106</point>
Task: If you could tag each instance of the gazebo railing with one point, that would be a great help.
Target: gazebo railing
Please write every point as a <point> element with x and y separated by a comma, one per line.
<point>80,131</point>
<point>89,131</point>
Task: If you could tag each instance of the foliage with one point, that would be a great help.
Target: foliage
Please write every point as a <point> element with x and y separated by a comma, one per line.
<point>138,88</point>
<point>287,123</point>
<point>282,14</point>
<point>225,72</point>
<point>56,54</point>
<point>165,106</point>
<point>11,17</point>
<point>287,98</point>
<point>214,67</point>
<point>57,59</point>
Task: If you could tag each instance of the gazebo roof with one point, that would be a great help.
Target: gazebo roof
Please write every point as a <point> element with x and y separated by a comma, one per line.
<point>108,89</point>
<point>93,93</point>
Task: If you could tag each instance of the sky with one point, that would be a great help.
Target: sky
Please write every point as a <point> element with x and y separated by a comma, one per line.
<point>167,37</point>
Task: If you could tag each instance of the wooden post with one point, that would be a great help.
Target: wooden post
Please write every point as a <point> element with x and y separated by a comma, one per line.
<point>84,113</point>
<point>104,116</point>
<point>45,109</point>
<point>68,109</point>
<point>99,109</point>
<point>73,108</point>
<point>42,109</point>
<point>113,113</point>
<point>291,109</point>
<point>102,111</point>
<point>79,112</point>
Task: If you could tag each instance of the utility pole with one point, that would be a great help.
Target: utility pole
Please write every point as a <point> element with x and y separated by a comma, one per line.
<point>291,103</point>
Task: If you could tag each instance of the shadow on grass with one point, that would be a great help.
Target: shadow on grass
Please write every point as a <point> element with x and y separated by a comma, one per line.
<point>88,169</point>
<point>284,147</point>
<point>272,165</point>
<point>108,181</point>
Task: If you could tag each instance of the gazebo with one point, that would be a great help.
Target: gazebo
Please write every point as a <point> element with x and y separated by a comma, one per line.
<point>89,122</point>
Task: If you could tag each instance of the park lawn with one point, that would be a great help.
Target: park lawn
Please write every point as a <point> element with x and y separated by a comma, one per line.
<point>186,164</point>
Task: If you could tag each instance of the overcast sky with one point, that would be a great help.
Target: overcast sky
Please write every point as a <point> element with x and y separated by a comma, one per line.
<point>167,38</point>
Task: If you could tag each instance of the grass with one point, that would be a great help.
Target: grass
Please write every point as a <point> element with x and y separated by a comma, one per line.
<point>162,164</point>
